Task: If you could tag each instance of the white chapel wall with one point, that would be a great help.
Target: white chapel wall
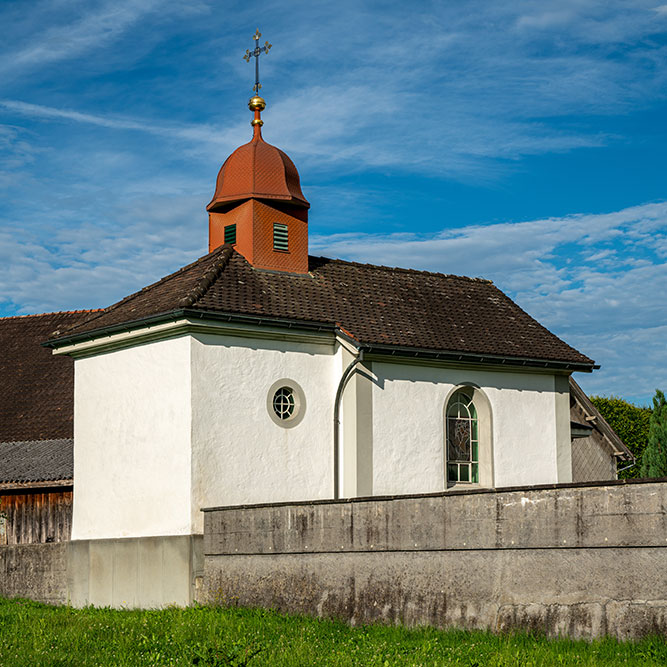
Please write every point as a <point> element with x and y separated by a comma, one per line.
<point>240,455</point>
<point>166,428</point>
<point>408,426</point>
<point>132,442</point>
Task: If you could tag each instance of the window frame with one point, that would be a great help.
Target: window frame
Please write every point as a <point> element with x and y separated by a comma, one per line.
<point>485,432</point>
<point>225,232</point>
<point>299,409</point>
<point>461,408</point>
<point>280,237</point>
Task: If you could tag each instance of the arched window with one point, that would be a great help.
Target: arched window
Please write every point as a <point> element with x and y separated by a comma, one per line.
<point>462,438</point>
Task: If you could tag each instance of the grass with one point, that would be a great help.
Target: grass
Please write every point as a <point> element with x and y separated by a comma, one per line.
<point>36,634</point>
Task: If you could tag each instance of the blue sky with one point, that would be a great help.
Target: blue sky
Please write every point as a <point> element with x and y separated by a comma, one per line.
<point>524,142</point>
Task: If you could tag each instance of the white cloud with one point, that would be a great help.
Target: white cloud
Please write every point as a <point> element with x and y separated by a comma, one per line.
<point>93,30</point>
<point>64,31</point>
<point>192,132</point>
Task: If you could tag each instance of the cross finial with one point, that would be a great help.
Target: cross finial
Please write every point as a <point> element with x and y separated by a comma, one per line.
<point>256,52</point>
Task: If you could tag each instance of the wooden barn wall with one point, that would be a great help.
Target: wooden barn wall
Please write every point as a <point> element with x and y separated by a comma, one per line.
<point>33,518</point>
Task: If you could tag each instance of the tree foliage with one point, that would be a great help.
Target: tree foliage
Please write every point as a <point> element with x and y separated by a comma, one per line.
<point>631,423</point>
<point>654,461</point>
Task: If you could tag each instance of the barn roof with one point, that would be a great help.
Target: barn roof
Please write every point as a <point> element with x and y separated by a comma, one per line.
<point>37,387</point>
<point>34,461</point>
<point>377,306</point>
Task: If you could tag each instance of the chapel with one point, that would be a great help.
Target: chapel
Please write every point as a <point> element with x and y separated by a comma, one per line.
<point>261,374</point>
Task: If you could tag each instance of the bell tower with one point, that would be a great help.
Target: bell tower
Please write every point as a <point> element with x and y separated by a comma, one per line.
<point>258,206</point>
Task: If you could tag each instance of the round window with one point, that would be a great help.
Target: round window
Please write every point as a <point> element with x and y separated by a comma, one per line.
<point>285,403</point>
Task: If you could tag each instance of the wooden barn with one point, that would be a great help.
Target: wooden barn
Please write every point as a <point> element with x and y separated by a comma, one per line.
<point>36,432</point>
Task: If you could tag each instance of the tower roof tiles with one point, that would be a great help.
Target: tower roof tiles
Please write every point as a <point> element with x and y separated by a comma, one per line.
<point>258,170</point>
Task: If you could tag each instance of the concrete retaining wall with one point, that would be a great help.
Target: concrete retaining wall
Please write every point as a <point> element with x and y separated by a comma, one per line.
<point>583,561</point>
<point>35,571</point>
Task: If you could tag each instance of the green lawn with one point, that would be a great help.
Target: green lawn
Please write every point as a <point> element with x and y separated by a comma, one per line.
<point>35,634</point>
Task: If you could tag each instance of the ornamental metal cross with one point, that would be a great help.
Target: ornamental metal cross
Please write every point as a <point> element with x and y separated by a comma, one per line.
<point>256,52</point>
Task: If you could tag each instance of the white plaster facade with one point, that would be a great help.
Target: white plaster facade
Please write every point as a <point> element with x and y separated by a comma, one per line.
<point>132,442</point>
<point>240,455</point>
<point>165,427</point>
<point>409,426</point>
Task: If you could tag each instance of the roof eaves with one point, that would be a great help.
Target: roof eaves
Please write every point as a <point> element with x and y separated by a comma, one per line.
<point>476,357</point>
<point>111,329</point>
<point>371,348</point>
<point>61,484</point>
<point>193,313</point>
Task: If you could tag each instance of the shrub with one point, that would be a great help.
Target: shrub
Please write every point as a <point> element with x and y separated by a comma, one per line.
<point>654,461</point>
<point>631,425</point>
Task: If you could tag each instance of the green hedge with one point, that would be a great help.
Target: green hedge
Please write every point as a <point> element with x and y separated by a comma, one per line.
<point>630,423</point>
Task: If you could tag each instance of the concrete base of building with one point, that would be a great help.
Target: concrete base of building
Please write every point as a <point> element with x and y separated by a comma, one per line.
<point>143,572</point>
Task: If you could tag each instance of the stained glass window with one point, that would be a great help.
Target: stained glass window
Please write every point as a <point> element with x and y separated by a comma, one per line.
<point>462,438</point>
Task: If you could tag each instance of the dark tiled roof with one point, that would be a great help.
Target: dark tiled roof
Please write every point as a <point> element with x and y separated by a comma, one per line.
<point>377,305</point>
<point>36,401</point>
<point>36,461</point>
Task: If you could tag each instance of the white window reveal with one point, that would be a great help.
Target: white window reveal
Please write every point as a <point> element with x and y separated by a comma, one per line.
<point>286,403</point>
<point>280,240</point>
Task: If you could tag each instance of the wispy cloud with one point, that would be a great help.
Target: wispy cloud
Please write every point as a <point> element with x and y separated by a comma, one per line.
<point>92,31</point>
<point>464,104</point>
<point>192,132</point>
<point>77,29</point>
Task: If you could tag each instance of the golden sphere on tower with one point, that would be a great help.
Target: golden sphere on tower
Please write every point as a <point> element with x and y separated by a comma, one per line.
<point>256,103</point>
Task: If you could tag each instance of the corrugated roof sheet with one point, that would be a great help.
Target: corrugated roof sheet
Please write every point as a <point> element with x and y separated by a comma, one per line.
<point>36,461</point>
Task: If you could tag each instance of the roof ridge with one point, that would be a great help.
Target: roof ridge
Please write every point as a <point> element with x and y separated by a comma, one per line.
<point>134,295</point>
<point>401,269</point>
<point>55,312</point>
<point>205,282</point>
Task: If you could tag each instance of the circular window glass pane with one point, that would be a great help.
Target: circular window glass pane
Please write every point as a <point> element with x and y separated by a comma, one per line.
<point>283,403</point>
